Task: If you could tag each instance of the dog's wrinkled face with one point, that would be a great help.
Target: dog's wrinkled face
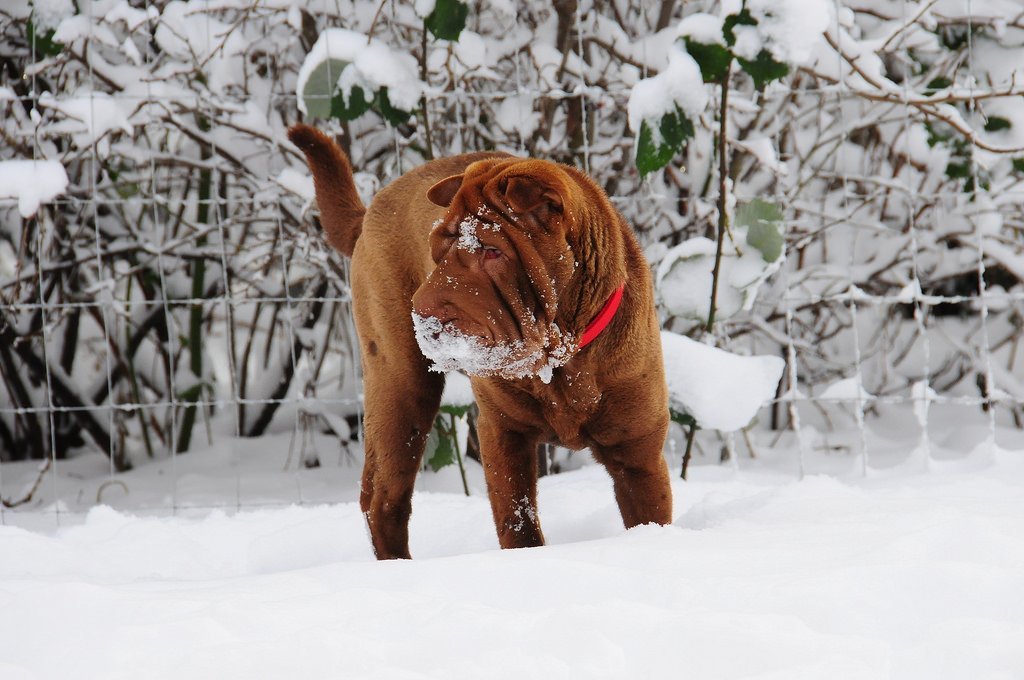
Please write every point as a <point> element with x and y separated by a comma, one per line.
<point>502,256</point>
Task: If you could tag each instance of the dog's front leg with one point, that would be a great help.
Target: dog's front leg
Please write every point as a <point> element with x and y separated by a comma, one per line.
<point>640,477</point>
<point>510,468</point>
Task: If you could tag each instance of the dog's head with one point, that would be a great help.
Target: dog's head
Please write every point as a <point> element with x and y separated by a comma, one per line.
<point>507,253</point>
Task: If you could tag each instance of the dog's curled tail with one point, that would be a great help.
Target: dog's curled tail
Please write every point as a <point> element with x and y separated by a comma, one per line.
<point>341,211</point>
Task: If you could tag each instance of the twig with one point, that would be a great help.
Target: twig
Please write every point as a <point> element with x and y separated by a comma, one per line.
<point>43,469</point>
<point>723,186</point>
<point>373,24</point>
<point>929,106</point>
<point>907,24</point>
<point>691,433</point>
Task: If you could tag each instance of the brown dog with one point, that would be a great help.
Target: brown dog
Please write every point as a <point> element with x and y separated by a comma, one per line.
<point>498,266</point>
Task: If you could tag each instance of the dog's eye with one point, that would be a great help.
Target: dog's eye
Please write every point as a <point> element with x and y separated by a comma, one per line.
<point>491,253</point>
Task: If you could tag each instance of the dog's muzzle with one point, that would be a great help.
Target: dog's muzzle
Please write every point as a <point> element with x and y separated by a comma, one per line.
<point>452,350</point>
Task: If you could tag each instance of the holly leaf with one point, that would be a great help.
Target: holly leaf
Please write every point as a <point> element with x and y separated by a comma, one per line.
<point>43,43</point>
<point>391,114</point>
<point>319,92</point>
<point>995,124</point>
<point>744,18</point>
<point>713,60</point>
<point>654,152</point>
<point>958,170</point>
<point>764,68</point>
<point>448,19</point>
<point>940,83</point>
<point>763,221</point>
<point>682,418</point>
<point>444,454</point>
<point>356,105</point>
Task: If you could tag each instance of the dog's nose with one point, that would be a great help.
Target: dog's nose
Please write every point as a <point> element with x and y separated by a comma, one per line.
<point>440,313</point>
<point>444,312</point>
<point>428,303</point>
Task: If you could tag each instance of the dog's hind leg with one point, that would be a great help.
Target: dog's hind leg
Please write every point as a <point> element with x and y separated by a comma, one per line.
<point>397,422</point>
<point>401,401</point>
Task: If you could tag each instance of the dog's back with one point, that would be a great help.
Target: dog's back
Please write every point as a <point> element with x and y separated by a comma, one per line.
<point>400,215</point>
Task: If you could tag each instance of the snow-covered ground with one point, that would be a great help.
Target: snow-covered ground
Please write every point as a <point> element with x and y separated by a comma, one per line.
<point>904,573</point>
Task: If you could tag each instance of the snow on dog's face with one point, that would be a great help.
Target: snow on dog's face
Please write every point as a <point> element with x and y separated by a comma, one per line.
<point>502,257</point>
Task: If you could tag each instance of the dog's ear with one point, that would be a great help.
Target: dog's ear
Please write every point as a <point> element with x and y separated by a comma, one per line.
<point>530,194</point>
<point>444,191</point>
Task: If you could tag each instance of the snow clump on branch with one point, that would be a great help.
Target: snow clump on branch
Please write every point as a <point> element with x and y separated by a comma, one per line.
<point>679,84</point>
<point>367,64</point>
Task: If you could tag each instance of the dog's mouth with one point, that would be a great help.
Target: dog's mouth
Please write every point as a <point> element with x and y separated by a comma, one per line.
<point>450,349</point>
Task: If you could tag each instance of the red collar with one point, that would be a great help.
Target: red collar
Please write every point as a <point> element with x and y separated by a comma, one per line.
<point>603,318</point>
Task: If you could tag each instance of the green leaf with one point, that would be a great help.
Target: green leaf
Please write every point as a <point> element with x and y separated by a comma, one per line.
<point>444,454</point>
<point>742,19</point>
<point>958,170</point>
<point>319,93</point>
<point>763,221</point>
<point>1018,164</point>
<point>393,115</point>
<point>43,43</point>
<point>935,136</point>
<point>764,68</point>
<point>356,105</point>
<point>940,83</point>
<point>652,154</point>
<point>448,19</point>
<point>995,124</point>
<point>758,211</point>
<point>713,60</point>
<point>457,411</point>
<point>682,418</point>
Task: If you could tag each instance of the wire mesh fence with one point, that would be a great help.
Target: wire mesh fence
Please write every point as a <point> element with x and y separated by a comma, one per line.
<point>175,294</point>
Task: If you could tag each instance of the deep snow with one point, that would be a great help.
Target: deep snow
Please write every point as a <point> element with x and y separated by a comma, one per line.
<point>904,573</point>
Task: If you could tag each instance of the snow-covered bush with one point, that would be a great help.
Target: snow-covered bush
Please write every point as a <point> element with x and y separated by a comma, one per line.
<point>176,289</point>
<point>879,133</point>
<point>753,250</point>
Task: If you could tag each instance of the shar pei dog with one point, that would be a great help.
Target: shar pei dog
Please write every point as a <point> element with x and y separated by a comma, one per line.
<point>521,274</point>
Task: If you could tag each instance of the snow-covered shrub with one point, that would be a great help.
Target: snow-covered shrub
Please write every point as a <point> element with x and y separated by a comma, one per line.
<point>177,291</point>
<point>889,135</point>
<point>753,250</point>
<point>717,389</point>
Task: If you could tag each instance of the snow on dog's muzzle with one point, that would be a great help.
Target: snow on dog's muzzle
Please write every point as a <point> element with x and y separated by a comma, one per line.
<point>452,350</point>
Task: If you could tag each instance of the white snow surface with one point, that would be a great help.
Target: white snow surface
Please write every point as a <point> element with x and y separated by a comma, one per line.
<point>721,390</point>
<point>32,183</point>
<point>702,28</point>
<point>903,575</point>
<point>788,29</point>
<point>458,390</point>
